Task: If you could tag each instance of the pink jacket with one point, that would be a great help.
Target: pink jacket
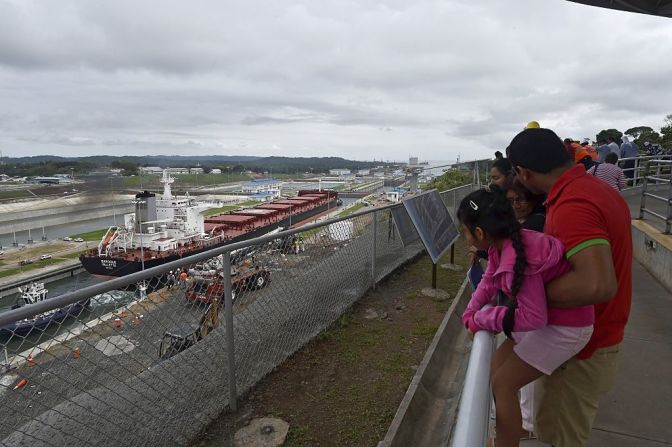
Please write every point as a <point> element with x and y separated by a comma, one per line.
<point>545,262</point>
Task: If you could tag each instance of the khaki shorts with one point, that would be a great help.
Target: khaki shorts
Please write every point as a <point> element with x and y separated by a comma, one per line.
<point>567,400</point>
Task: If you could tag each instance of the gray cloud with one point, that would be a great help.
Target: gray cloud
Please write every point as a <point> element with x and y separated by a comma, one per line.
<point>330,77</point>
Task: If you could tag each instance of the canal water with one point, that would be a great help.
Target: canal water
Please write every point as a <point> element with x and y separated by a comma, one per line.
<point>99,305</point>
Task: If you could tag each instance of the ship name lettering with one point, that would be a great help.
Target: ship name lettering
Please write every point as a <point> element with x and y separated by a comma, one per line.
<point>108,263</point>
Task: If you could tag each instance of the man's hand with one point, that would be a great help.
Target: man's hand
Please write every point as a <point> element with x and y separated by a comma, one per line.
<point>591,281</point>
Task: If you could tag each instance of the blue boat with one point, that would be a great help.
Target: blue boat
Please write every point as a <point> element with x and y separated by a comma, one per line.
<point>31,295</point>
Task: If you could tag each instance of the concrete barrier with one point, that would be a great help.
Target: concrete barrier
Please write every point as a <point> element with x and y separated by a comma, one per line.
<point>653,250</point>
<point>426,415</point>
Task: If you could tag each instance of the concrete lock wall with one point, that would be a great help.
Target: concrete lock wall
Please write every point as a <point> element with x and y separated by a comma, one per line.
<point>62,212</point>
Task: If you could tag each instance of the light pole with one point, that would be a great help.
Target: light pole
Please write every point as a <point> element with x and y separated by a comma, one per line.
<point>142,248</point>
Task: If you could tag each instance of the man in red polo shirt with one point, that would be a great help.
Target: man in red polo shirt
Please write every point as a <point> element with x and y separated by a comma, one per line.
<point>593,222</point>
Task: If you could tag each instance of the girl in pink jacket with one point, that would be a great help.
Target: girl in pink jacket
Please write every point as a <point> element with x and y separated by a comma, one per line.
<point>540,339</point>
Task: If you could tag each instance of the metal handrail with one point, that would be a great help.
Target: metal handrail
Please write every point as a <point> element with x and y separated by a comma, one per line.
<point>639,166</point>
<point>656,179</point>
<point>473,417</point>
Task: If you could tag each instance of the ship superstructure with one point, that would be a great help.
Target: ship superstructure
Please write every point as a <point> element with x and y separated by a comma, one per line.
<point>171,227</point>
<point>157,225</point>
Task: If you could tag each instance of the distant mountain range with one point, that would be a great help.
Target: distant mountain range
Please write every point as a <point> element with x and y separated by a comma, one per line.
<point>145,160</point>
<point>50,164</point>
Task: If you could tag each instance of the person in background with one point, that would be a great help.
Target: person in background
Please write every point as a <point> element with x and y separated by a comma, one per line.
<point>629,150</point>
<point>613,146</point>
<point>602,150</point>
<point>171,280</point>
<point>182,281</point>
<point>609,172</point>
<point>531,214</point>
<point>501,173</point>
<point>498,155</point>
<point>593,223</point>
<point>591,150</point>
<point>572,147</point>
<point>528,207</point>
<point>582,157</point>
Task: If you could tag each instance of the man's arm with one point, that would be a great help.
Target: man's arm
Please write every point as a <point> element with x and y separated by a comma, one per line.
<point>591,281</point>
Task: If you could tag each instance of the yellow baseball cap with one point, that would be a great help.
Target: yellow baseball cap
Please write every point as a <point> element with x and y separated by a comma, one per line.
<point>532,125</point>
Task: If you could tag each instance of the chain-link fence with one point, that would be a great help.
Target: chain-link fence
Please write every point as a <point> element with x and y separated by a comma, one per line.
<point>153,357</point>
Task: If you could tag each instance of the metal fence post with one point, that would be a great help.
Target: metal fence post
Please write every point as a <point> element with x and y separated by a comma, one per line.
<point>668,222</point>
<point>642,204</point>
<point>374,249</point>
<point>228,316</point>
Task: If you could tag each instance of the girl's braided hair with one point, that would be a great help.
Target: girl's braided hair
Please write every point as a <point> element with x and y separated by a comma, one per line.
<point>492,212</point>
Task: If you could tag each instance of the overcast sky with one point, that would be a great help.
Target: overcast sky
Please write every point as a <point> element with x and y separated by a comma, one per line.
<point>360,79</point>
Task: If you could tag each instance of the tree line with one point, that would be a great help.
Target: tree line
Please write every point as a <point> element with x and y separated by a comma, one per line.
<point>642,134</point>
<point>51,165</point>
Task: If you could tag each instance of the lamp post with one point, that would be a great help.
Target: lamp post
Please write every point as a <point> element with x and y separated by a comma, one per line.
<point>142,247</point>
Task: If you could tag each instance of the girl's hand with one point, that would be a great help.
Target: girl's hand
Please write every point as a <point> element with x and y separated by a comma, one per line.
<point>472,326</point>
<point>466,316</point>
<point>472,255</point>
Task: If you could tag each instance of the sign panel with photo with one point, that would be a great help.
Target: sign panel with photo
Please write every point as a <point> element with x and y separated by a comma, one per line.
<point>432,221</point>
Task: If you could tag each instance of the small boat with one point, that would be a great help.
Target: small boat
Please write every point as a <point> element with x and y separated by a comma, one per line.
<point>35,293</point>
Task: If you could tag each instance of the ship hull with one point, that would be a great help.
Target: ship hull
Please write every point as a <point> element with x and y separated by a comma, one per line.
<point>24,327</point>
<point>108,267</point>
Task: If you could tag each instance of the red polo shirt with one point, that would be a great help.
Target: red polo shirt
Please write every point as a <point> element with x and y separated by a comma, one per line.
<point>583,211</point>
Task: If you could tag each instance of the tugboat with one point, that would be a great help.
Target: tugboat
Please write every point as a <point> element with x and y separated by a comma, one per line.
<point>167,228</point>
<point>31,295</point>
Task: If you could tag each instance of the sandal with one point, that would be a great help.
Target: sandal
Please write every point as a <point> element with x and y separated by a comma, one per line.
<point>528,436</point>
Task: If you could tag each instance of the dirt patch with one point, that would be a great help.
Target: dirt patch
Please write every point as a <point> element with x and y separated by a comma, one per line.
<point>344,387</point>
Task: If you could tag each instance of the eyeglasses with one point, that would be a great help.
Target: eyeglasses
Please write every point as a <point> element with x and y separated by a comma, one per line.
<point>518,201</point>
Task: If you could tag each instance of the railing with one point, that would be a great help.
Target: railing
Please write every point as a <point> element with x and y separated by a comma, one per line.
<point>473,418</point>
<point>662,175</point>
<point>635,168</point>
<point>150,359</point>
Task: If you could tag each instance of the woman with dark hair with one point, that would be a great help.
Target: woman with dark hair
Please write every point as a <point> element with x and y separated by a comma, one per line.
<point>527,207</point>
<point>501,173</point>
<point>520,263</point>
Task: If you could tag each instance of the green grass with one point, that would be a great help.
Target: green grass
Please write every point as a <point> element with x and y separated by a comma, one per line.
<point>351,210</point>
<point>96,235</point>
<point>219,210</point>
<point>74,255</point>
<point>33,266</point>
<point>17,194</point>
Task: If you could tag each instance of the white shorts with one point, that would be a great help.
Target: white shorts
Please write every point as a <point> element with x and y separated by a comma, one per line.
<point>549,347</point>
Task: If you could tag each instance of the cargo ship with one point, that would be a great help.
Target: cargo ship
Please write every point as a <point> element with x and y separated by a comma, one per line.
<point>171,227</point>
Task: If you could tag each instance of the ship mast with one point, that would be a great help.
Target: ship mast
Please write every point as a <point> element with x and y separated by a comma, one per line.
<point>167,180</point>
